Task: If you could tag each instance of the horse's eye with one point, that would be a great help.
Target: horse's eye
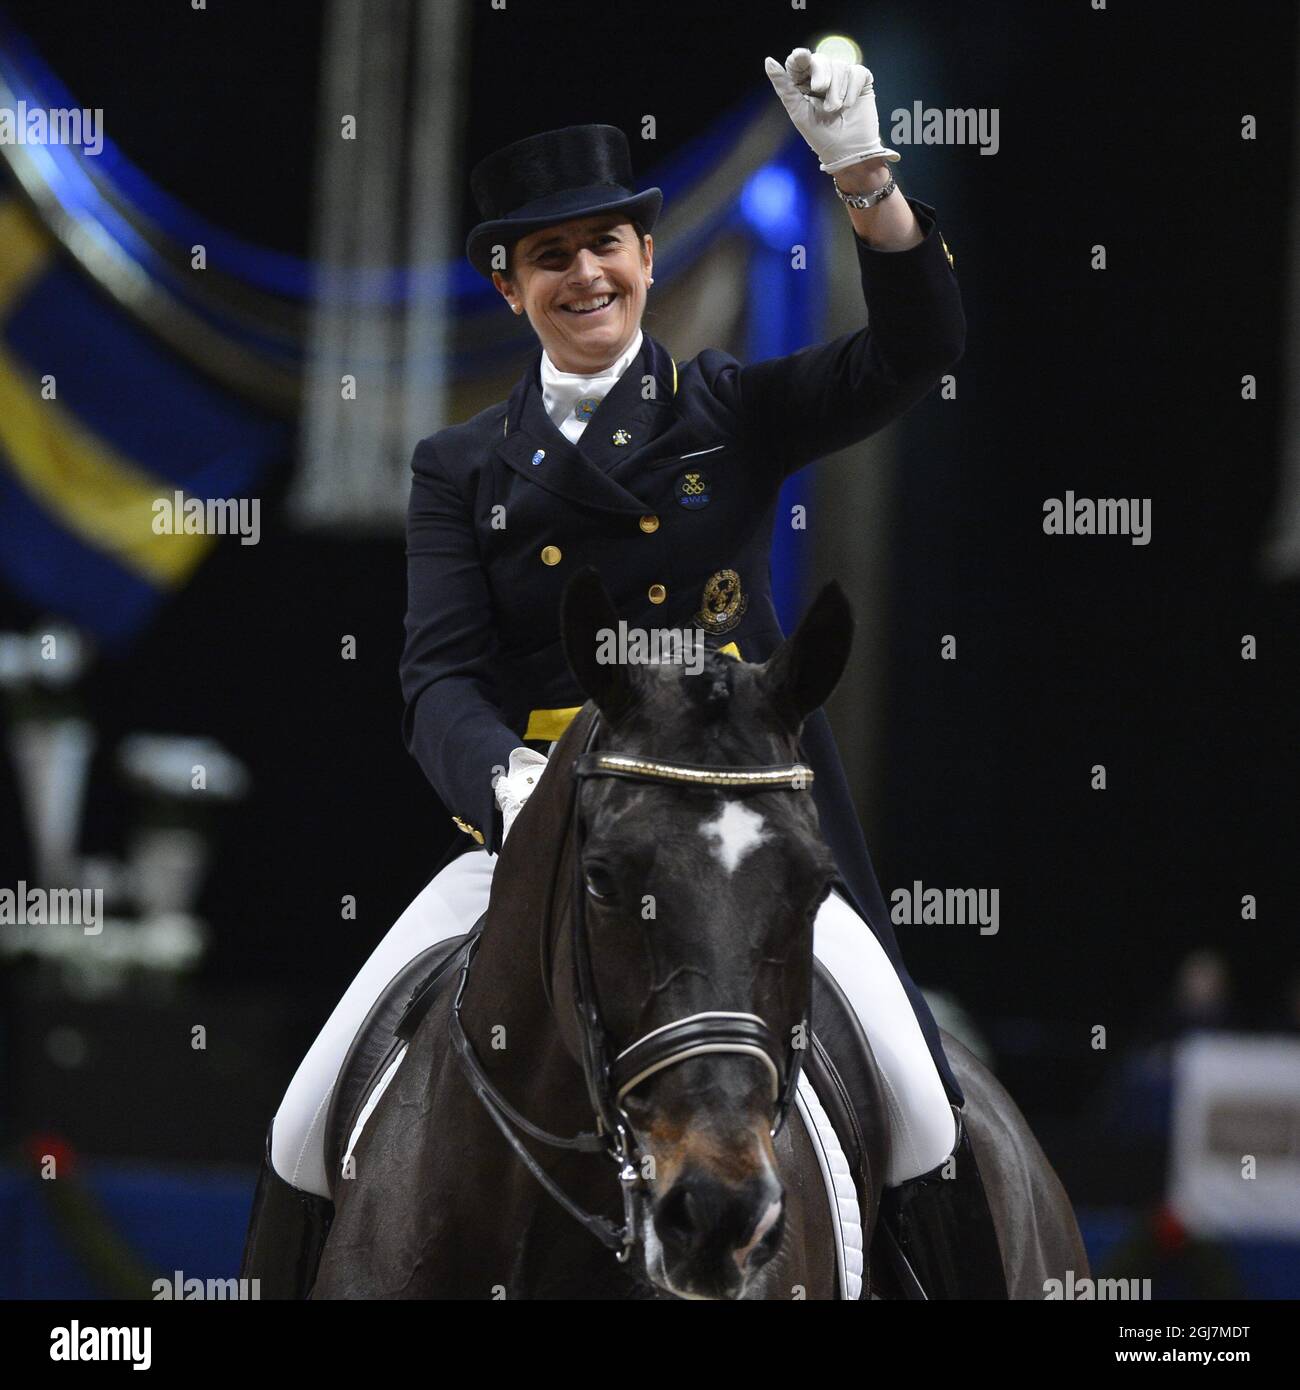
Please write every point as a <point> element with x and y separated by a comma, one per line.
<point>599,881</point>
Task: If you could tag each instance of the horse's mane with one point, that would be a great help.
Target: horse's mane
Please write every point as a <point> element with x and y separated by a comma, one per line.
<point>521,904</point>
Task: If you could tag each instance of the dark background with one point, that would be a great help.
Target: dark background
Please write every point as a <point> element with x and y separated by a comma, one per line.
<point>1120,127</point>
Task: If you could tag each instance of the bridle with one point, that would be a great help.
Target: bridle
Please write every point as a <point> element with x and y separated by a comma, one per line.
<point>611,1078</point>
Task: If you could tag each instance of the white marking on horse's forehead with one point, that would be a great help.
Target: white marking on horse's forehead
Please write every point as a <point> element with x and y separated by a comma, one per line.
<point>735,830</point>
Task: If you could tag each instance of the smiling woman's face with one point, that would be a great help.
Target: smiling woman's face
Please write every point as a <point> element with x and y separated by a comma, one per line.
<point>561,272</point>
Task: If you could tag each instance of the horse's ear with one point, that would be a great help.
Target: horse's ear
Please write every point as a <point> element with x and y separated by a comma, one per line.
<point>800,675</point>
<point>589,628</point>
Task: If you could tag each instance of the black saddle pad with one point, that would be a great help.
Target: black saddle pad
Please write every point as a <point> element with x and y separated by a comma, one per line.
<point>843,1071</point>
<point>378,1041</point>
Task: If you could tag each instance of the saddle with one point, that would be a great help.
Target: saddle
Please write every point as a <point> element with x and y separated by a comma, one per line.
<point>385,1031</point>
<point>839,1064</point>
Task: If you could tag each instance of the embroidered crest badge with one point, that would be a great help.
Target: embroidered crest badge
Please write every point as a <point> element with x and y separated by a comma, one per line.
<point>723,602</point>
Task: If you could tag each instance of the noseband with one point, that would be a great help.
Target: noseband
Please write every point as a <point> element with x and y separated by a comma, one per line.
<point>611,1079</point>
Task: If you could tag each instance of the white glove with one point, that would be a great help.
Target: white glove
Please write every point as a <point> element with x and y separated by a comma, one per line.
<point>833,106</point>
<point>516,783</point>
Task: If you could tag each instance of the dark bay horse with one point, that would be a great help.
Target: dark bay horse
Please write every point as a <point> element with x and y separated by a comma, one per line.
<point>630,972</point>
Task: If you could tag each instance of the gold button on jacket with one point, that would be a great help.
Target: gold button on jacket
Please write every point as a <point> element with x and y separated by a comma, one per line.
<point>657,593</point>
<point>649,524</point>
<point>551,555</point>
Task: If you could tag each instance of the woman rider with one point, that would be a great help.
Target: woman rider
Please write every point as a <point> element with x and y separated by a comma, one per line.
<point>665,477</point>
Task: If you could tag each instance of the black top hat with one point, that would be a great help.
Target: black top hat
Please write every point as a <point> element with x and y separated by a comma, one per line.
<point>554,177</point>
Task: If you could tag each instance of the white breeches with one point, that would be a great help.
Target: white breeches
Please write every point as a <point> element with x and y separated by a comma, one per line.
<point>920,1116</point>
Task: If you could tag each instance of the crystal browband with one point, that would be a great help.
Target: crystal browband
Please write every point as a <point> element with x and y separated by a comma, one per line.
<point>798,776</point>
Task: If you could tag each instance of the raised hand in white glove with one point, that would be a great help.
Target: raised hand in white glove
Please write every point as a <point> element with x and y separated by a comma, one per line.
<point>833,106</point>
<point>516,783</point>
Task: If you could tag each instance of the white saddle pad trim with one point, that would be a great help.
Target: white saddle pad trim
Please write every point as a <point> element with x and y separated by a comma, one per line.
<point>846,1215</point>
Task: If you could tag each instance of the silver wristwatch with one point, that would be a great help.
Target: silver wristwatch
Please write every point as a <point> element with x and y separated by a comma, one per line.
<point>866,200</point>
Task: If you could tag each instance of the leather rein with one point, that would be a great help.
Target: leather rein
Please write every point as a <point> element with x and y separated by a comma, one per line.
<point>610,1078</point>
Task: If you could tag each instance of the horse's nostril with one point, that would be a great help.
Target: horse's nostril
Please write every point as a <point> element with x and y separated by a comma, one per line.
<point>714,1232</point>
<point>678,1214</point>
<point>764,1240</point>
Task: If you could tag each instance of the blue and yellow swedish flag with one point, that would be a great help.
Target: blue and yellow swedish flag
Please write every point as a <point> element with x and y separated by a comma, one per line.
<point>97,421</point>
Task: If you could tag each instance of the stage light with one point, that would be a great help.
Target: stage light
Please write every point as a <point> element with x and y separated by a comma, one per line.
<point>838,46</point>
<point>769,202</point>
